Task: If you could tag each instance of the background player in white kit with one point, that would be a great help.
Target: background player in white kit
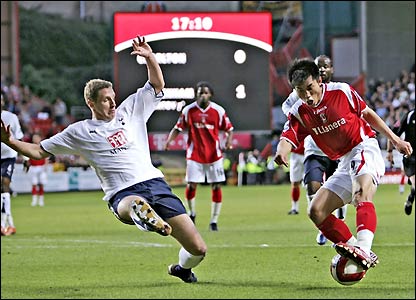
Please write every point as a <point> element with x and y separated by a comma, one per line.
<point>339,121</point>
<point>8,159</point>
<point>115,144</point>
<point>204,119</point>
<point>318,167</point>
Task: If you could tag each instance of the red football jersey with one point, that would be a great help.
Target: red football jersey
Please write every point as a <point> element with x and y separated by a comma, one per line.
<point>300,149</point>
<point>335,124</point>
<point>37,162</point>
<point>203,127</point>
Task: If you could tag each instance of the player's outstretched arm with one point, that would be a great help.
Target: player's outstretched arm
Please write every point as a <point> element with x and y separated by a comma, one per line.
<point>282,152</point>
<point>141,48</point>
<point>378,124</point>
<point>33,151</point>
<point>229,140</point>
<point>171,137</point>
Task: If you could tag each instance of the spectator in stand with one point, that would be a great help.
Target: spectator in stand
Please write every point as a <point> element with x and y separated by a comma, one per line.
<point>255,167</point>
<point>153,6</point>
<point>396,99</point>
<point>411,83</point>
<point>59,111</point>
<point>204,119</point>
<point>45,113</point>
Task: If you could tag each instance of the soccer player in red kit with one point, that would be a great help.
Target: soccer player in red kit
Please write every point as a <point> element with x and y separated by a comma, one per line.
<point>204,119</point>
<point>296,170</point>
<point>340,123</point>
<point>38,172</point>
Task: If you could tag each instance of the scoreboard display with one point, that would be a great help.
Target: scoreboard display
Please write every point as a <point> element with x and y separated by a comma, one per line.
<point>229,50</point>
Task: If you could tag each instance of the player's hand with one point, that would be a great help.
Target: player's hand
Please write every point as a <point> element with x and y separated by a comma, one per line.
<point>404,148</point>
<point>26,166</point>
<point>5,133</point>
<point>281,160</point>
<point>140,47</point>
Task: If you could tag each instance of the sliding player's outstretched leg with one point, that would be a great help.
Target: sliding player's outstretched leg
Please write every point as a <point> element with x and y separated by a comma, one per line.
<point>143,215</point>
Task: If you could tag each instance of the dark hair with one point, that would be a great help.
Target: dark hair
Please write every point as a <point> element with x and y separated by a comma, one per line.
<point>203,84</point>
<point>300,69</point>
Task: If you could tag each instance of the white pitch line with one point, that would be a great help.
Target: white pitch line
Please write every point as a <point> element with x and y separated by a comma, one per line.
<point>14,243</point>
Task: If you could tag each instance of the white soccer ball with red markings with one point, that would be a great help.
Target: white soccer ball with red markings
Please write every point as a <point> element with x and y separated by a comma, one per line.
<point>345,271</point>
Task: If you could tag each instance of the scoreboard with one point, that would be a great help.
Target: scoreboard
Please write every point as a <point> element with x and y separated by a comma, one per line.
<point>229,50</point>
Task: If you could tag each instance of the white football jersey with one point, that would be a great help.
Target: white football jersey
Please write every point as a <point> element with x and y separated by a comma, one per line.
<point>117,150</point>
<point>312,148</point>
<point>11,119</point>
<point>309,144</point>
<point>289,102</point>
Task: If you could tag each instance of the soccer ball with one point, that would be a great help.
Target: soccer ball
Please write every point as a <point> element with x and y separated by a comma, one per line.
<point>345,271</point>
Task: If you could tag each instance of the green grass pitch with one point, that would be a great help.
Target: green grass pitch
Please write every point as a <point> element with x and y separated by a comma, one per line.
<point>74,248</point>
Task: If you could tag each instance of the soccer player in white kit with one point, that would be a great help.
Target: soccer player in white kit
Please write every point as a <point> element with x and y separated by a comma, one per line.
<point>8,159</point>
<point>339,121</point>
<point>204,119</point>
<point>115,144</point>
<point>318,167</point>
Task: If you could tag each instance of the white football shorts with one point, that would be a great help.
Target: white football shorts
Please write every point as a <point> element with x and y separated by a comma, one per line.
<point>38,174</point>
<point>365,158</point>
<point>196,172</point>
<point>296,169</point>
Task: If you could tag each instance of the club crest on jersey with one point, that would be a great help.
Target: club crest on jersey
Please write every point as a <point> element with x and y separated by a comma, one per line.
<point>323,118</point>
<point>203,117</point>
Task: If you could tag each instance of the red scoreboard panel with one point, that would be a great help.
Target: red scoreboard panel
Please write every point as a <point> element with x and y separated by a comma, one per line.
<point>229,50</point>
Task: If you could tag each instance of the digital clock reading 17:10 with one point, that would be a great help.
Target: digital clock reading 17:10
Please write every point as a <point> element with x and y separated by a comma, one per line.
<point>186,23</point>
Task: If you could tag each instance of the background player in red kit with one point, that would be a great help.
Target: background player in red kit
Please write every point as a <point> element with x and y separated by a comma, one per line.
<point>339,121</point>
<point>204,120</point>
<point>296,171</point>
<point>37,171</point>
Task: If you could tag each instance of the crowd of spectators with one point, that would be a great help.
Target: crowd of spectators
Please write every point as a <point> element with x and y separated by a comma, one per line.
<point>36,115</point>
<point>391,100</point>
